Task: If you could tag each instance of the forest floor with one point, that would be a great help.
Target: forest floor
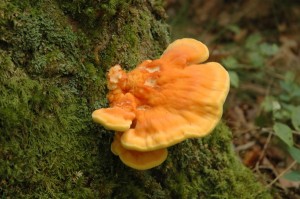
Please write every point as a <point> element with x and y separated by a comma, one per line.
<point>259,44</point>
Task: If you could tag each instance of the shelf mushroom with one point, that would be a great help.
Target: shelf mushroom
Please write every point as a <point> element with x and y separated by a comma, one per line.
<point>165,101</point>
<point>137,159</point>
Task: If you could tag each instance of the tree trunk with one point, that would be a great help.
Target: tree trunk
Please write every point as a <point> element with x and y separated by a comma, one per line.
<point>53,58</point>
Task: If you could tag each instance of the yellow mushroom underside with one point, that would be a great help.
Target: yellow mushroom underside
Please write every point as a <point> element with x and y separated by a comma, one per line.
<point>136,159</point>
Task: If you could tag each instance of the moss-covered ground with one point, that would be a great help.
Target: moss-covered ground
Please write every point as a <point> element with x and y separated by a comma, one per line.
<point>53,60</point>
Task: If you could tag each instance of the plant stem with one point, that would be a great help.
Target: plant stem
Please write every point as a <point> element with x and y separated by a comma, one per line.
<point>282,173</point>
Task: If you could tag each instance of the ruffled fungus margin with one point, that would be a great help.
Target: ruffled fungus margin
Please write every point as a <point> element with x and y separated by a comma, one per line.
<point>163,102</point>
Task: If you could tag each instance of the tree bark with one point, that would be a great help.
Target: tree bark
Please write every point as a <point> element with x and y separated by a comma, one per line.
<point>53,58</point>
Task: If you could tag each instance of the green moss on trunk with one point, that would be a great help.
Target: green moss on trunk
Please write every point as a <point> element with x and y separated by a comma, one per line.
<point>53,60</point>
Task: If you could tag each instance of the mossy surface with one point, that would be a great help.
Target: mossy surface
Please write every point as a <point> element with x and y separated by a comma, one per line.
<point>53,60</point>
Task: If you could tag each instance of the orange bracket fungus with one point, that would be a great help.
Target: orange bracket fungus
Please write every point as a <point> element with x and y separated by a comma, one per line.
<point>163,102</point>
<point>137,159</point>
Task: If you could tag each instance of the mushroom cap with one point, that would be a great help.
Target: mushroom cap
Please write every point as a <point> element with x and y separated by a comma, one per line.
<point>113,118</point>
<point>137,159</point>
<point>194,51</point>
<point>185,102</point>
<point>163,102</point>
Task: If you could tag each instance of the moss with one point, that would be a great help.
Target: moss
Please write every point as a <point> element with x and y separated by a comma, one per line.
<point>210,162</point>
<point>53,60</point>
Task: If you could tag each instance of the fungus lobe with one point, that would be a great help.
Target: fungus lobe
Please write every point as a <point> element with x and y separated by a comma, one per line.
<point>165,101</point>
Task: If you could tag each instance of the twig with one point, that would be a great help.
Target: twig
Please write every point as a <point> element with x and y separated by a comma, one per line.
<point>296,132</point>
<point>245,146</point>
<point>253,87</point>
<point>270,167</point>
<point>246,130</point>
<point>282,173</point>
<point>264,150</point>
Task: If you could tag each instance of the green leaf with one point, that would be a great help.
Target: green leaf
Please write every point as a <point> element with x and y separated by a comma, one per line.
<point>284,133</point>
<point>270,104</point>
<point>256,59</point>
<point>230,62</point>
<point>281,115</point>
<point>234,28</point>
<point>286,86</point>
<point>295,153</point>
<point>268,49</point>
<point>289,76</point>
<point>267,104</point>
<point>296,118</point>
<point>252,41</point>
<point>292,176</point>
<point>234,79</point>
